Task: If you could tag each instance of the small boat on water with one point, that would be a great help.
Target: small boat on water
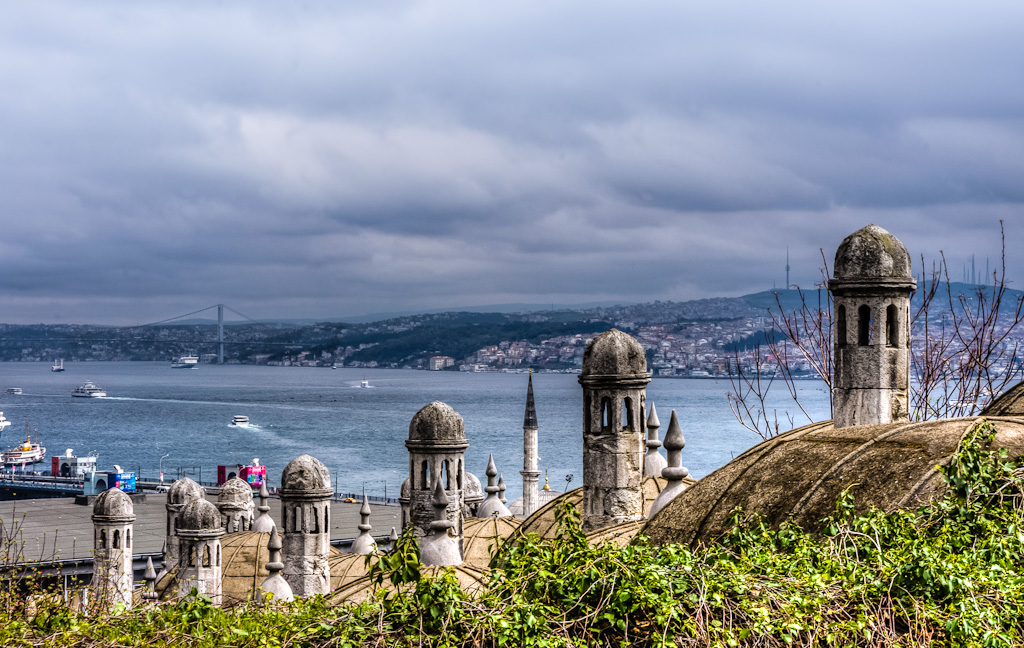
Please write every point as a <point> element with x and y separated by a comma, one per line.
<point>185,362</point>
<point>14,391</point>
<point>3,422</point>
<point>58,365</point>
<point>240,420</point>
<point>364,383</point>
<point>26,453</point>
<point>88,390</point>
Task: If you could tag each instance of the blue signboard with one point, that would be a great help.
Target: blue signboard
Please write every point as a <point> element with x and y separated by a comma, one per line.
<point>124,481</point>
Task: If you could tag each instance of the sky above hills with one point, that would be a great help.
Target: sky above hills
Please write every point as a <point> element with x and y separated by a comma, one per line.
<point>322,159</point>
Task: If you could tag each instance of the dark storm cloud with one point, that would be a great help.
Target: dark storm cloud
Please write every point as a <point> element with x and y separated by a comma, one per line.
<point>329,159</point>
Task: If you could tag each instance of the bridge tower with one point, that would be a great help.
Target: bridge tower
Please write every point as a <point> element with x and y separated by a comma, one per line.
<point>220,333</point>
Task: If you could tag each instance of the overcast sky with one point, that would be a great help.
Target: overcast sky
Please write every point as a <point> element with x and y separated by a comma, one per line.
<point>321,159</point>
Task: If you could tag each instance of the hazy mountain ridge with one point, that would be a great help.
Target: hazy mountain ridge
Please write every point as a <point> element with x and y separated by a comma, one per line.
<point>407,339</point>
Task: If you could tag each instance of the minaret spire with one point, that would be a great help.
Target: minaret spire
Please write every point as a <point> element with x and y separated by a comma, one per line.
<point>530,472</point>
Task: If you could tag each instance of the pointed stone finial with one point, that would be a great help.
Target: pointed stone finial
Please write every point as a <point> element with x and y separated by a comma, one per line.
<point>440,503</point>
<point>274,586</point>
<point>493,506</point>
<point>654,463</point>
<point>263,522</point>
<point>149,591</point>
<point>501,489</point>
<point>163,562</point>
<point>437,547</point>
<point>674,471</point>
<point>491,472</point>
<point>393,538</point>
<point>364,543</point>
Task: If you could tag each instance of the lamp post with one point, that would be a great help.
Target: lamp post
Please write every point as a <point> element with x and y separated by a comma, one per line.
<point>162,467</point>
<point>383,481</point>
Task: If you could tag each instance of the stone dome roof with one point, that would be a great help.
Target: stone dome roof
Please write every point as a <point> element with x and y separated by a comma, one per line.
<point>1010,403</point>
<point>305,474</point>
<point>872,253</point>
<point>198,515</point>
<point>543,497</point>
<point>346,568</point>
<point>235,491</point>
<point>544,523</point>
<point>437,421</point>
<point>470,580</point>
<point>473,491</point>
<point>614,353</point>
<point>406,491</point>
<point>481,538</point>
<point>183,490</point>
<point>799,475</point>
<point>113,503</point>
<point>245,556</point>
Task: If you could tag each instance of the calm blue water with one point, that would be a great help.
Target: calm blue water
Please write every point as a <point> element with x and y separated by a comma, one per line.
<point>153,410</point>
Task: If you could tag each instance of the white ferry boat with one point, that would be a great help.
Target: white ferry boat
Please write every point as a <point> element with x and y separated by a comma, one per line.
<point>88,390</point>
<point>185,362</point>
<point>239,420</point>
<point>26,453</point>
<point>3,422</point>
<point>58,365</point>
<point>14,391</point>
<point>364,383</point>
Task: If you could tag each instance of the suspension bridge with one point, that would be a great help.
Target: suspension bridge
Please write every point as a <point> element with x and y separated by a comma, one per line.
<point>220,324</point>
<point>220,340</point>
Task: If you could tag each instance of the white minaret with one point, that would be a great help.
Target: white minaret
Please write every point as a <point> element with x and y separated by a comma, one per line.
<point>530,473</point>
<point>306,506</point>
<point>112,516</point>
<point>614,381</point>
<point>871,299</point>
<point>199,565</point>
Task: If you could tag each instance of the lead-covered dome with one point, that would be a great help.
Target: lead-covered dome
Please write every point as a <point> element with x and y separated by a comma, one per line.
<point>799,475</point>
<point>872,253</point>
<point>113,504</point>
<point>437,421</point>
<point>198,515</point>
<point>614,353</point>
<point>305,474</point>
<point>183,490</point>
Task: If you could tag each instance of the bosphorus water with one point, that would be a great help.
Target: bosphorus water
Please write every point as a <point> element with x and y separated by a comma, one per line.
<point>359,433</point>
